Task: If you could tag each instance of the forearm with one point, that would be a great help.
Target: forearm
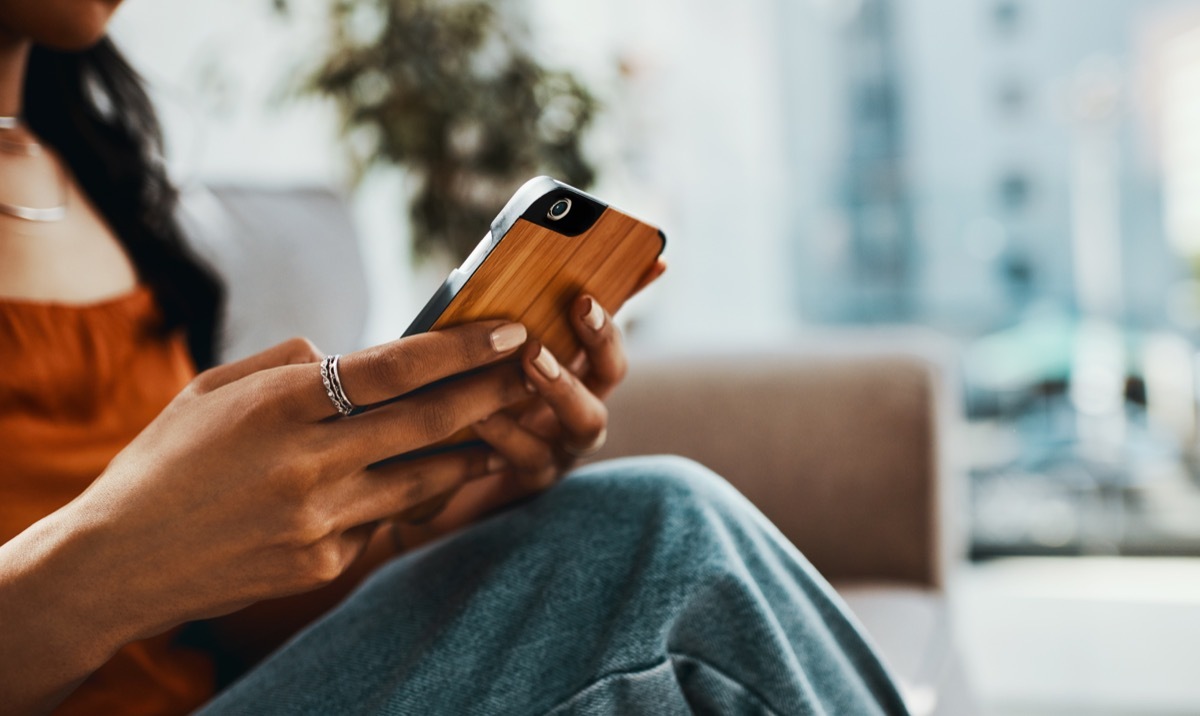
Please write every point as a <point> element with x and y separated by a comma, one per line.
<point>60,619</point>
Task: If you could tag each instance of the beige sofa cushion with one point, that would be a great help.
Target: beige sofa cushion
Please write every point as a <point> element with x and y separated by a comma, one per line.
<point>838,451</point>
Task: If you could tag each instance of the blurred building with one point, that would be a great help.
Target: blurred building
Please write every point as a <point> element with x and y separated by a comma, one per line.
<point>859,223</point>
<point>953,193</point>
<point>813,161</point>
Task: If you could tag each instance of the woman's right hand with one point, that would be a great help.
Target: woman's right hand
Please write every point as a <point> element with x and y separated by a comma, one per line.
<point>244,489</point>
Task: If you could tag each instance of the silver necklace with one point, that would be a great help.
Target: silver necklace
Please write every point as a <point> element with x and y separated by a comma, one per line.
<point>31,213</point>
<point>45,215</point>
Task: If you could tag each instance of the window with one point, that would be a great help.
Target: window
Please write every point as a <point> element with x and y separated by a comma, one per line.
<point>1015,191</point>
<point>1006,17</point>
<point>1012,97</point>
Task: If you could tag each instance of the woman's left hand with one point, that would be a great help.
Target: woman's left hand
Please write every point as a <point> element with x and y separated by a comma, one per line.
<point>542,443</point>
<point>570,421</point>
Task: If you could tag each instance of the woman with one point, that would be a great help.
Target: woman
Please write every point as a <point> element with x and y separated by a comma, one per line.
<point>137,498</point>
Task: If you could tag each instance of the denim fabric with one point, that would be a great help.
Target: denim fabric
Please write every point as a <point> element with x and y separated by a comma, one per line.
<point>638,586</point>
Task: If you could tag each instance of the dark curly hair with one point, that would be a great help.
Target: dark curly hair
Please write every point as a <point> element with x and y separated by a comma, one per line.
<point>92,107</point>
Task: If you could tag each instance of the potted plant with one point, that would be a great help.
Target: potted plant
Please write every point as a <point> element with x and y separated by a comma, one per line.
<point>450,91</point>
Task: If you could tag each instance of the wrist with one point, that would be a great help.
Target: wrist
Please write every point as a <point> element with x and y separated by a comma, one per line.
<point>66,609</point>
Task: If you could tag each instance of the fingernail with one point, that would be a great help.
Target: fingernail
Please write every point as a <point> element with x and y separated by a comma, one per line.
<point>507,337</point>
<point>496,463</point>
<point>594,318</point>
<point>547,365</point>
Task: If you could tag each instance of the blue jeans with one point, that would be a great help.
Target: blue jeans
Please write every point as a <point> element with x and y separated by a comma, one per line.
<point>637,586</point>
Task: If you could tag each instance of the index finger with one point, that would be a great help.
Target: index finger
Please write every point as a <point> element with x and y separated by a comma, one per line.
<point>290,352</point>
<point>390,370</point>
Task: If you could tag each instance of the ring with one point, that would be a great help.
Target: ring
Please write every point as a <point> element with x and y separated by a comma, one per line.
<point>333,384</point>
<point>587,450</point>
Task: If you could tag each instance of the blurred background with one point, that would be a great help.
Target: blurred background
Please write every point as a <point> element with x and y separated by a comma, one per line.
<point>1021,177</point>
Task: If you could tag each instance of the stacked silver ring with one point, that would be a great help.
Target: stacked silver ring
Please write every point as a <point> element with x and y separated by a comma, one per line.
<point>333,384</point>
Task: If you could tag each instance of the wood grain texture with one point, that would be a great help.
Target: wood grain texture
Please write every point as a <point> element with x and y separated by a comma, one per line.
<point>534,274</point>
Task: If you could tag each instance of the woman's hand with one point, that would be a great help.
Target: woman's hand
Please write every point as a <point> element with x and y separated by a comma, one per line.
<point>243,482</point>
<point>542,443</point>
<point>570,421</point>
<point>244,489</point>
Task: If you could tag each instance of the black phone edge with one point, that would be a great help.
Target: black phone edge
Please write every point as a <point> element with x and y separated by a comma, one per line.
<point>523,204</point>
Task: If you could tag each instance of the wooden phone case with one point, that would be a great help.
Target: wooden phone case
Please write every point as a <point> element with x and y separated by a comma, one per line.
<point>527,270</point>
<point>533,275</point>
<point>530,269</point>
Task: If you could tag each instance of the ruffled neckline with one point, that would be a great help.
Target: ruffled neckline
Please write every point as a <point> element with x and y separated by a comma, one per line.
<point>136,298</point>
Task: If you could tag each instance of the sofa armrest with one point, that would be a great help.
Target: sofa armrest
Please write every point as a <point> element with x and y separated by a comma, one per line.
<point>839,451</point>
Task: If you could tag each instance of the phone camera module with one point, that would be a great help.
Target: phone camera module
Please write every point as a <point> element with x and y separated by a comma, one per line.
<point>559,209</point>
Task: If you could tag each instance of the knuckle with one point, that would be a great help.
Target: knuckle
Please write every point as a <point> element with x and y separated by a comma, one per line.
<point>414,489</point>
<point>393,367</point>
<point>380,367</point>
<point>204,382</point>
<point>308,526</point>
<point>197,386</point>
<point>472,345</point>
<point>302,350</point>
<point>438,419</point>
<point>322,562</point>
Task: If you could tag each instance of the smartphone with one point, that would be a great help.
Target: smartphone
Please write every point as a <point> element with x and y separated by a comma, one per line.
<point>550,243</point>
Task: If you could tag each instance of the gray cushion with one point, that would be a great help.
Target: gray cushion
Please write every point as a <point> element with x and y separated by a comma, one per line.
<point>290,261</point>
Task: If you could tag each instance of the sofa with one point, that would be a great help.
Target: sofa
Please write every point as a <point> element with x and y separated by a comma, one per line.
<point>839,439</point>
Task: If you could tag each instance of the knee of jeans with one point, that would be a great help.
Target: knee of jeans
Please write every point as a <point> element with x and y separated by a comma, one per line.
<point>658,481</point>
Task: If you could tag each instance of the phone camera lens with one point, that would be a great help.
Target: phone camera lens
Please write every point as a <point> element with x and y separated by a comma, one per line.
<point>559,209</point>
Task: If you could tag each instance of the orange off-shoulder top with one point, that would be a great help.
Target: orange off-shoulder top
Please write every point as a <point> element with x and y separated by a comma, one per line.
<point>77,383</point>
